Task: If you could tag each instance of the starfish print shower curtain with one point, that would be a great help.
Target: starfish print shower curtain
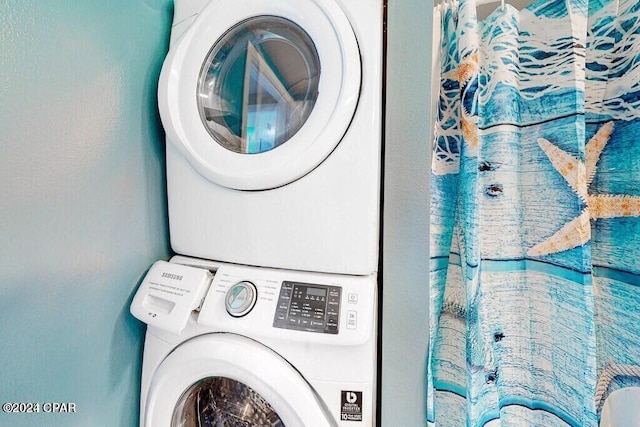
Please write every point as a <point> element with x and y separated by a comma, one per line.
<point>535,214</point>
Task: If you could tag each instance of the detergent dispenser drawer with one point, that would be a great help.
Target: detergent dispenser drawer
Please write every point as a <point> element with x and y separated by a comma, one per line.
<point>169,293</point>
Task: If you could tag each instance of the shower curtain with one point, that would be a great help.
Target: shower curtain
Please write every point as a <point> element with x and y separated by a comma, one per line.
<point>535,214</point>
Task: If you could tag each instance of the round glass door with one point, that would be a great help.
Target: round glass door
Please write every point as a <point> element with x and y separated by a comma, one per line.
<point>256,94</point>
<point>227,380</point>
<point>258,84</point>
<point>223,402</point>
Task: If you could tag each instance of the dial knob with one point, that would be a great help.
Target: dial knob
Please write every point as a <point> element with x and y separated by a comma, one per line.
<point>241,298</point>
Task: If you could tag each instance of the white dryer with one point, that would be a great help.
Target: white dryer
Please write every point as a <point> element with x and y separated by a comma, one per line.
<point>264,347</point>
<point>272,111</point>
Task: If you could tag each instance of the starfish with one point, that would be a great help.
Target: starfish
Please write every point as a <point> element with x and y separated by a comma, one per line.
<point>469,67</point>
<point>467,70</point>
<point>469,130</point>
<point>579,176</point>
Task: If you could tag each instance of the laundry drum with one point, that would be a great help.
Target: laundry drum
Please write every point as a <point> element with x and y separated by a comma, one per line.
<point>258,85</point>
<point>227,380</point>
<point>220,401</point>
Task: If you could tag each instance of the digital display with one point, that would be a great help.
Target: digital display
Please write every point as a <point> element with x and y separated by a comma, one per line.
<point>318,292</point>
<point>308,307</point>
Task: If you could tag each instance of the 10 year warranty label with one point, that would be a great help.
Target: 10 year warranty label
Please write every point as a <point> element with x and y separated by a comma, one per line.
<point>34,407</point>
<point>351,406</point>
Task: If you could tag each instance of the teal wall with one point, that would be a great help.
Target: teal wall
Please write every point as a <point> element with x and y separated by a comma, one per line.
<point>83,204</point>
<point>405,297</point>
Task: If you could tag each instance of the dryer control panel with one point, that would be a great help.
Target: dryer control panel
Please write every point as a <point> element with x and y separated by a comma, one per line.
<point>308,307</point>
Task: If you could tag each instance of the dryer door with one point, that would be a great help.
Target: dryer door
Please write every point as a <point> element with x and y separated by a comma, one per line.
<point>257,93</point>
<point>229,380</point>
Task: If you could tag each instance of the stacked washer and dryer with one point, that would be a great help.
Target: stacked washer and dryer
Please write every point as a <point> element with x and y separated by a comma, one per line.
<point>272,111</point>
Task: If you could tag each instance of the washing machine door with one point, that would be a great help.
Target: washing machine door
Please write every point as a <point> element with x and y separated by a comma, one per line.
<point>256,94</point>
<point>229,380</point>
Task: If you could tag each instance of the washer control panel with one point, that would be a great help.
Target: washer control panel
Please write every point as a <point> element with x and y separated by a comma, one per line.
<point>308,307</point>
<point>286,305</point>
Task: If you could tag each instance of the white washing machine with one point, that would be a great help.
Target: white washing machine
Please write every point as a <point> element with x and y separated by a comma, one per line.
<point>272,111</point>
<point>256,347</point>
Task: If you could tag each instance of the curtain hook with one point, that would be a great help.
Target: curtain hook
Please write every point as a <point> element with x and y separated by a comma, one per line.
<point>454,10</point>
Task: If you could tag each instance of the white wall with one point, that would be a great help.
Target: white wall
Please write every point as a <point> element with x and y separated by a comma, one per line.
<point>405,249</point>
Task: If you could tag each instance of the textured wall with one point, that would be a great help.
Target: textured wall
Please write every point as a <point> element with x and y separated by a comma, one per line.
<point>83,201</point>
<point>406,214</point>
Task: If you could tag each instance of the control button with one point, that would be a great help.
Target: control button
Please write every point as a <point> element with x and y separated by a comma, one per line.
<point>352,319</point>
<point>293,321</point>
<point>316,324</point>
<point>241,298</point>
<point>353,298</point>
<point>331,329</point>
<point>305,322</point>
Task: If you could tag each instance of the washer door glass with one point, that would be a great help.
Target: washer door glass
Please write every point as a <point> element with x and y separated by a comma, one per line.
<point>223,402</point>
<point>258,85</point>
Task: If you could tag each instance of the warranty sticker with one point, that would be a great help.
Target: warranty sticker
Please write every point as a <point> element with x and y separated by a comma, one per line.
<point>351,406</point>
